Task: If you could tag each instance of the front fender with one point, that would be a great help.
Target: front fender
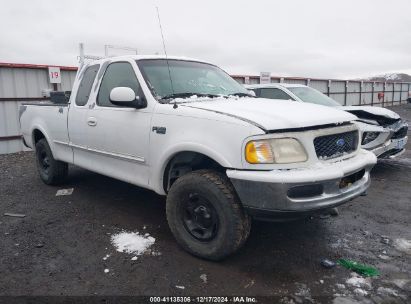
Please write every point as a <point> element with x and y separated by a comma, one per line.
<point>156,179</point>
<point>43,131</point>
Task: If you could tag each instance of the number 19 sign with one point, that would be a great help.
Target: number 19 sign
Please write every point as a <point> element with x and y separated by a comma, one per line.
<point>54,75</point>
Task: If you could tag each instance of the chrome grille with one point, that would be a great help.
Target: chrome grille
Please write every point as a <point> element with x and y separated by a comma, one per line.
<point>335,145</point>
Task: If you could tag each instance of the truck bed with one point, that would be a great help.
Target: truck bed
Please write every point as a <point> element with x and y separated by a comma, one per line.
<point>50,119</point>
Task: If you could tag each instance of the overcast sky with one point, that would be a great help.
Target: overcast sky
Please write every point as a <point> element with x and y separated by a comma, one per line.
<point>313,38</point>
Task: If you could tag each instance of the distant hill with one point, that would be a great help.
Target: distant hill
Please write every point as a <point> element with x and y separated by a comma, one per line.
<point>400,77</point>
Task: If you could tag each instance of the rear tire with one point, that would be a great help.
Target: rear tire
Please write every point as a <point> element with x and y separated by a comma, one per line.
<point>51,171</point>
<point>205,215</point>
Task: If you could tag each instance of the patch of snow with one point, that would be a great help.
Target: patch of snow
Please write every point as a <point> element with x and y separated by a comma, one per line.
<point>400,283</point>
<point>106,257</point>
<point>303,291</point>
<point>403,245</point>
<point>180,287</point>
<point>360,292</point>
<point>68,191</point>
<point>387,291</point>
<point>342,299</point>
<point>359,282</point>
<point>340,286</point>
<point>366,233</point>
<point>384,257</point>
<point>132,242</point>
<point>391,76</point>
<point>386,76</point>
<point>106,270</point>
<point>322,281</point>
<point>203,277</point>
<point>134,258</point>
<point>195,98</point>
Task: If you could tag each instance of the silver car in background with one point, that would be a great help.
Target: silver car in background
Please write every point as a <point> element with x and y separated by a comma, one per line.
<point>382,131</point>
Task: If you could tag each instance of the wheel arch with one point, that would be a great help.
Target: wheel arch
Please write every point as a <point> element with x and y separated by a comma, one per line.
<point>38,133</point>
<point>183,161</point>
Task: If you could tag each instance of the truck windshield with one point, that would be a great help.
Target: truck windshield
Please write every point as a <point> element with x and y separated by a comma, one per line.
<point>310,95</point>
<point>187,78</point>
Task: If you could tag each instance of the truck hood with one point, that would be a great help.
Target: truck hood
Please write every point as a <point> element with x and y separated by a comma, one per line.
<point>269,114</point>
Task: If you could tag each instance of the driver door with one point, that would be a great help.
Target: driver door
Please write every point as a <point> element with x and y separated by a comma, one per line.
<point>118,135</point>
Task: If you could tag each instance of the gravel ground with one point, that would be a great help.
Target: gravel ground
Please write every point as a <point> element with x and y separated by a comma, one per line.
<point>58,247</point>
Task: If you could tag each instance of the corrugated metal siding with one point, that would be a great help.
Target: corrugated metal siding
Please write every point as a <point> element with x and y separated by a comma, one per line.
<point>254,81</point>
<point>9,126</point>
<point>295,81</point>
<point>353,99</point>
<point>405,90</point>
<point>29,82</point>
<point>23,83</point>
<point>319,85</point>
<point>366,96</point>
<point>337,87</point>
<point>354,86</point>
<point>240,80</point>
<point>338,97</point>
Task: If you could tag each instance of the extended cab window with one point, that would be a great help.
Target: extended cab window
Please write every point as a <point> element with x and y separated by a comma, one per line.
<point>274,93</point>
<point>118,74</point>
<point>83,92</point>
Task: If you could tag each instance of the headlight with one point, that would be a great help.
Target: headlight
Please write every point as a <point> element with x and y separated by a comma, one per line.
<point>368,137</point>
<point>275,151</point>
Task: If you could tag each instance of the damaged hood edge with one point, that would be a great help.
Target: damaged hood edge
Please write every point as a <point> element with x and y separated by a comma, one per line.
<point>375,111</point>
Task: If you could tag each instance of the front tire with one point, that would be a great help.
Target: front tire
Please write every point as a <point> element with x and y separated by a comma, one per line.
<point>205,215</point>
<point>51,171</point>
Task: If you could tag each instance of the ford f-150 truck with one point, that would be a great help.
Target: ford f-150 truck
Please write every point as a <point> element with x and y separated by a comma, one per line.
<point>185,129</point>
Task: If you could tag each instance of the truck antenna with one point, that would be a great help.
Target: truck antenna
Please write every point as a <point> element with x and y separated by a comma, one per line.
<point>165,52</point>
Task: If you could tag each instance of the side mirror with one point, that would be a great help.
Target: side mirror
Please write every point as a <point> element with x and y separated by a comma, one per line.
<point>252,93</point>
<point>125,97</point>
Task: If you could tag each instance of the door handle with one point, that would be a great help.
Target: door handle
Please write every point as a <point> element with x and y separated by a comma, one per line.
<point>92,122</point>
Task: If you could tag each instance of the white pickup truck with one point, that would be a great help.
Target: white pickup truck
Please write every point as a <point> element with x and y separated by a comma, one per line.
<point>184,128</point>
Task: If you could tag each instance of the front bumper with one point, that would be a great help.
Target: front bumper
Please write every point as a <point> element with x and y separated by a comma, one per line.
<point>392,148</point>
<point>304,190</point>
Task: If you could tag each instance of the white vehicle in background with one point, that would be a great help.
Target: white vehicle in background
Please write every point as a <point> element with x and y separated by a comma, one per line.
<point>185,129</point>
<point>382,130</point>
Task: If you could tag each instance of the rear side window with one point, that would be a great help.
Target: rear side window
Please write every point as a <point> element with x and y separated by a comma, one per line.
<point>86,83</point>
<point>273,93</point>
<point>118,74</point>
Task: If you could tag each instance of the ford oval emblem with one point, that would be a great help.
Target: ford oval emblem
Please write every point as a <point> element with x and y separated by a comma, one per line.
<point>340,142</point>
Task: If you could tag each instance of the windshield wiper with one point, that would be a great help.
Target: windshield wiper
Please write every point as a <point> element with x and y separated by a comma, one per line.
<point>187,95</point>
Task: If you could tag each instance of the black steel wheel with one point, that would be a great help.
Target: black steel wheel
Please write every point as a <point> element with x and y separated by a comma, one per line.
<point>199,217</point>
<point>51,171</point>
<point>205,215</point>
<point>44,161</point>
